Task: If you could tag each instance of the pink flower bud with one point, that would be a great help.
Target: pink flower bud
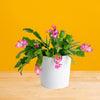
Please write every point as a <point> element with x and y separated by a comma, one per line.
<point>37,70</point>
<point>21,73</point>
<point>35,54</point>
<point>37,46</point>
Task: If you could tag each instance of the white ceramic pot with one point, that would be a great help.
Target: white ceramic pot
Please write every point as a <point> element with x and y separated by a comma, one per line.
<point>53,78</point>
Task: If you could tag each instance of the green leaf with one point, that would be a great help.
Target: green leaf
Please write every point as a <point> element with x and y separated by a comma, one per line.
<point>53,41</point>
<point>62,52</point>
<point>28,59</point>
<point>49,42</point>
<point>38,51</point>
<point>28,48</point>
<point>62,33</point>
<point>21,71</point>
<point>68,39</point>
<point>73,62</point>
<point>46,40</point>
<point>50,33</point>
<point>80,53</point>
<point>18,55</point>
<point>23,60</point>
<point>75,50</point>
<point>66,46</point>
<point>39,59</point>
<point>28,30</point>
<point>78,48</point>
<point>21,68</point>
<point>75,43</point>
<point>74,46</point>
<point>51,51</point>
<point>31,53</point>
<point>31,31</point>
<point>47,53</point>
<point>41,43</point>
<point>37,35</point>
<point>30,42</point>
<point>67,52</point>
<point>70,52</point>
<point>59,42</point>
<point>18,64</point>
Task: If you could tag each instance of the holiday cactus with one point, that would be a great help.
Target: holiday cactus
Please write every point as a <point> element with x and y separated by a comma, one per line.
<point>58,45</point>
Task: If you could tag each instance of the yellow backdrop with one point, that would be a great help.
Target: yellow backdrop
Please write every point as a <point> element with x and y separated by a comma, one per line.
<point>81,18</point>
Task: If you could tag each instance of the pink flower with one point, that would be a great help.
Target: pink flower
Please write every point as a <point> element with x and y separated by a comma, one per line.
<point>57,66</point>
<point>37,70</point>
<point>19,44</point>
<point>86,48</point>
<point>89,49</point>
<point>57,61</point>
<point>54,32</point>
<point>22,44</point>
<point>36,46</point>
<point>54,27</point>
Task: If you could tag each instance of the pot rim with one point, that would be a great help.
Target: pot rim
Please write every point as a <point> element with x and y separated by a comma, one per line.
<point>52,57</point>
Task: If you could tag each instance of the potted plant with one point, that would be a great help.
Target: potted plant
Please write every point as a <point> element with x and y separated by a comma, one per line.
<point>53,56</point>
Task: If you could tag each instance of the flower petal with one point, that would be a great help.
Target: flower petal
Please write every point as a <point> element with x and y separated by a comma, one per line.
<point>57,66</point>
<point>50,30</point>
<point>54,27</point>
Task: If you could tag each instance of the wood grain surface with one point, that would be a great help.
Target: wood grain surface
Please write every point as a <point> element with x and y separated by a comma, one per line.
<point>84,85</point>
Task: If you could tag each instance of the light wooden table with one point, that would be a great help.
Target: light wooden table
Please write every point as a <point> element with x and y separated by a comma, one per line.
<point>83,86</point>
